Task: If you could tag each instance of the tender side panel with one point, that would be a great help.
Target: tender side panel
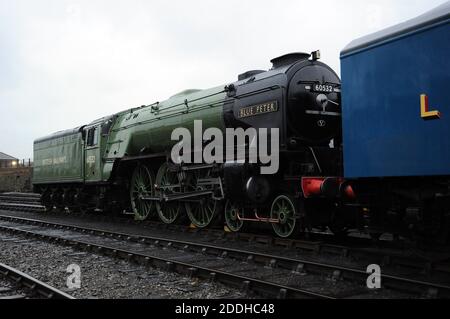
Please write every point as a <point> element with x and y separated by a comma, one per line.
<point>59,160</point>
<point>385,131</point>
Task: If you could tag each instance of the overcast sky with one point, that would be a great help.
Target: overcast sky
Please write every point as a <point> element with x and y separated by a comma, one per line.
<point>66,63</point>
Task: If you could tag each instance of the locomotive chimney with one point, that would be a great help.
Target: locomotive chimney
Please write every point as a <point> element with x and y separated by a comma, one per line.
<point>289,59</point>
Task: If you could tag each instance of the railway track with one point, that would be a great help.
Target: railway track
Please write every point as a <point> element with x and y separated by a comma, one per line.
<point>168,258</point>
<point>27,198</point>
<point>265,274</point>
<point>381,255</point>
<point>15,284</point>
<point>21,201</point>
<point>384,253</point>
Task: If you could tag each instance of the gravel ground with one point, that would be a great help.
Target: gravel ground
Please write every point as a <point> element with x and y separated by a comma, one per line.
<point>141,229</point>
<point>8,289</point>
<point>316,283</point>
<point>102,277</point>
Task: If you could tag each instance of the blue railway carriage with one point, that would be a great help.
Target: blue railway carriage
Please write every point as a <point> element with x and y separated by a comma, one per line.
<point>396,122</point>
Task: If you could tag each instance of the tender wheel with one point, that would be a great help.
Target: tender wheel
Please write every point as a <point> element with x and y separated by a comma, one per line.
<point>283,209</point>
<point>82,209</point>
<point>48,207</point>
<point>58,200</point>
<point>46,200</point>
<point>142,185</point>
<point>201,211</point>
<point>231,216</point>
<point>167,181</point>
<point>81,202</point>
<point>70,196</point>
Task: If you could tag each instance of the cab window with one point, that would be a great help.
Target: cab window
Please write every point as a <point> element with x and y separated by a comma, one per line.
<point>105,127</point>
<point>92,137</point>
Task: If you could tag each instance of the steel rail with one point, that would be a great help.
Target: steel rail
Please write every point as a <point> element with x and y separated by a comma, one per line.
<point>29,195</point>
<point>32,283</point>
<point>22,207</point>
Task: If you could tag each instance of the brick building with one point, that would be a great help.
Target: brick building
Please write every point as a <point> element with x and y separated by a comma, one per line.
<point>7,160</point>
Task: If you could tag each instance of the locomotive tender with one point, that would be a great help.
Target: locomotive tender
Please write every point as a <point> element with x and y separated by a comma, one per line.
<point>123,161</point>
<point>381,166</point>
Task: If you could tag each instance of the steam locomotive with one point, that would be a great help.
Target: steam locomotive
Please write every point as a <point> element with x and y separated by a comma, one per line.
<point>124,159</point>
<point>347,158</point>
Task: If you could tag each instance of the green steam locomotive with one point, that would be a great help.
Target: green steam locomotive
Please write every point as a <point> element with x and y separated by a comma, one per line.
<point>124,162</point>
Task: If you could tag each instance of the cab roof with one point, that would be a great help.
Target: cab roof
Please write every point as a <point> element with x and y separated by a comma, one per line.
<point>59,134</point>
